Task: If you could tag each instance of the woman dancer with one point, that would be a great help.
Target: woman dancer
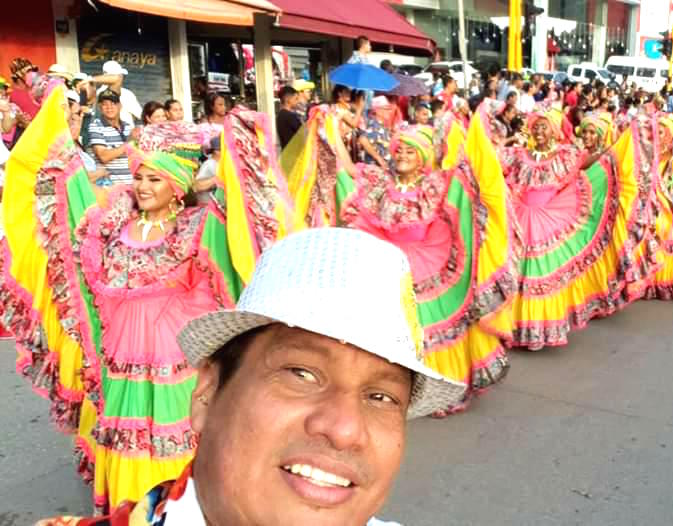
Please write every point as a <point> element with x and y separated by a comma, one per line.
<point>595,131</point>
<point>453,228</point>
<point>112,281</point>
<point>4,154</point>
<point>580,224</point>
<point>661,286</point>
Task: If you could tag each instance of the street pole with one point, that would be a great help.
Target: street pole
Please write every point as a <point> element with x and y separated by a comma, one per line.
<point>462,41</point>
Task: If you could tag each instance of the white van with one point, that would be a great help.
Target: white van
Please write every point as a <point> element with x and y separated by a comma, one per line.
<point>586,72</point>
<point>648,74</point>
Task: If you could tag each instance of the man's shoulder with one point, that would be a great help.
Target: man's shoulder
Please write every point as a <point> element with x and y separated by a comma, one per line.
<point>285,115</point>
<point>96,126</point>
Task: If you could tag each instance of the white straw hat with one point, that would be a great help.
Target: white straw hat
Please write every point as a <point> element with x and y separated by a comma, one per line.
<point>81,76</point>
<point>341,283</point>
<point>57,70</point>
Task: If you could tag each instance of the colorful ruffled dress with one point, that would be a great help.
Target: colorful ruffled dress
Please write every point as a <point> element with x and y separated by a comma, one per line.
<point>454,230</point>
<point>661,286</point>
<point>579,232</point>
<point>96,314</point>
<point>4,333</point>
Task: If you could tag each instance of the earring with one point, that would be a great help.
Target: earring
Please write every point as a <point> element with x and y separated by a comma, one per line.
<point>202,399</point>
<point>176,206</point>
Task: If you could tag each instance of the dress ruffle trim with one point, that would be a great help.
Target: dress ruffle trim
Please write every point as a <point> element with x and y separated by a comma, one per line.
<point>488,365</point>
<point>142,436</point>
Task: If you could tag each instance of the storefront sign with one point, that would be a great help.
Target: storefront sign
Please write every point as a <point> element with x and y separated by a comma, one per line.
<point>143,53</point>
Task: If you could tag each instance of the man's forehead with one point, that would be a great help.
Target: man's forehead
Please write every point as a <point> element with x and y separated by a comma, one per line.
<point>283,339</point>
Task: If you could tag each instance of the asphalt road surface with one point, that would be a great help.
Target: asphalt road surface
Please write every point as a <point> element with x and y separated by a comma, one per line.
<point>581,435</point>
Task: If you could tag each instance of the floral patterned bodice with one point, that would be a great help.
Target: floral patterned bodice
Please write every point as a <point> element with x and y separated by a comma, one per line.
<point>378,197</point>
<point>106,248</point>
<point>522,171</point>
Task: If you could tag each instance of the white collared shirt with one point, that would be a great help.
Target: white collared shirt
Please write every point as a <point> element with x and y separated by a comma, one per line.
<point>186,510</point>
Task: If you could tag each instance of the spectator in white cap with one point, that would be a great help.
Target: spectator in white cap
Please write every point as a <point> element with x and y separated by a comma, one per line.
<point>303,391</point>
<point>81,83</point>
<point>75,122</point>
<point>113,78</point>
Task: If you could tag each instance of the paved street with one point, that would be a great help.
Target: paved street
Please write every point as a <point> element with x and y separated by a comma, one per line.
<point>576,436</point>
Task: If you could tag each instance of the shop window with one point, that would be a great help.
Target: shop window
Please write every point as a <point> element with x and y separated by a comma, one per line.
<point>648,73</point>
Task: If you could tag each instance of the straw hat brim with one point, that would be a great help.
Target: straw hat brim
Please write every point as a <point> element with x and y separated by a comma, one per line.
<point>203,336</point>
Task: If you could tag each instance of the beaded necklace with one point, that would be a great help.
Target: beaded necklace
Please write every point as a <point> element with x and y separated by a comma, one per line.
<point>148,225</point>
<point>405,187</point>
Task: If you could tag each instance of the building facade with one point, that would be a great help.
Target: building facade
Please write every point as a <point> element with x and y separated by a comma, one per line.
<point>568,32</point>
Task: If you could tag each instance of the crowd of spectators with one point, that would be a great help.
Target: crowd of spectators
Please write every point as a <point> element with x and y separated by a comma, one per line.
<point>107,114</point>
<point>368,120</point>
<point>104,115</point>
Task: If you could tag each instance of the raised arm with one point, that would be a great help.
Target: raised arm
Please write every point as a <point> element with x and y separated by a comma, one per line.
<point>368,147</point>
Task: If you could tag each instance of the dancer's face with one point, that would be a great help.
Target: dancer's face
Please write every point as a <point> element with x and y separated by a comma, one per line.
<point>590,137</point>
<point>407,161</point>
<point>542,133</point>
<point>153,193</point>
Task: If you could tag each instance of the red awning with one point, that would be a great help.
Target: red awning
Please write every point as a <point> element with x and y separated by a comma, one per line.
<point>234,12</point>
<point>374,19</point>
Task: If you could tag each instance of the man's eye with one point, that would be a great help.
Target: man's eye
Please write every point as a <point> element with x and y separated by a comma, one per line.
<point>383,398</point>
<point>304,374</point>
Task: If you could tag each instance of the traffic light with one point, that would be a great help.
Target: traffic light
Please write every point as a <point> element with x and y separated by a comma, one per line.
<point>530,12</point>
<point>666,44</point>
<point>667,48</point>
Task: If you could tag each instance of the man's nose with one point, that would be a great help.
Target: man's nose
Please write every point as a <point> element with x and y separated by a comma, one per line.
<point>341,419</point>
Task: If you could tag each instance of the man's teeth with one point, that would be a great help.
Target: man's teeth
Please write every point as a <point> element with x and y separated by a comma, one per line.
<point>317,476</point>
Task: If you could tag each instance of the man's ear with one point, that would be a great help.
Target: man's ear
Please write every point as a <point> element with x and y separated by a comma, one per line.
<point>204,393</point>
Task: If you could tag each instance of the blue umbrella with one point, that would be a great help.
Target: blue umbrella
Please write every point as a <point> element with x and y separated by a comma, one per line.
<point>363,76</point>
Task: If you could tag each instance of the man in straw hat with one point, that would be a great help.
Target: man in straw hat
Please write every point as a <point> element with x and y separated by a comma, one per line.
<point>305,91</point>
<point>303,391</point>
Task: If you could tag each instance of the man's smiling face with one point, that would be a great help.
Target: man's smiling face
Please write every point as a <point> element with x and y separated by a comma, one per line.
<point>307,431</point>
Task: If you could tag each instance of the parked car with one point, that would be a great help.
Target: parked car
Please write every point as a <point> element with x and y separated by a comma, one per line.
<point>648,74</point>
<point>453,68</point>
<point>410,69</point>
<point>586,72</point>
